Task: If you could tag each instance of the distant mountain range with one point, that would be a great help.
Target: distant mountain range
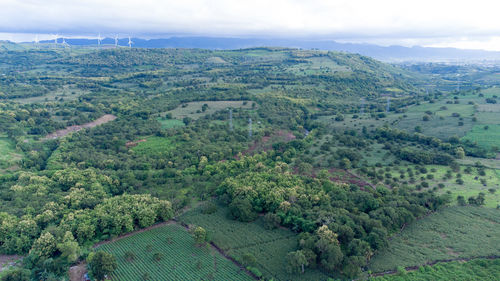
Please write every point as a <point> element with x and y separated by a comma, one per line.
<point>390,53</point>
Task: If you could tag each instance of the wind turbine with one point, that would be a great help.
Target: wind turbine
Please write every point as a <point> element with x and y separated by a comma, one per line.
<point>64,43</point>
<point>116,40</point>
<point>130,42</point>
<point>36,40</point>
<point>99,39</point>
<point>56,37</point>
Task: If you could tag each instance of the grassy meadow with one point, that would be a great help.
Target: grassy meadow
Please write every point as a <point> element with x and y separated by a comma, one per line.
<point>194,110</point>
<point>477,269</point>
<point>454,232</point>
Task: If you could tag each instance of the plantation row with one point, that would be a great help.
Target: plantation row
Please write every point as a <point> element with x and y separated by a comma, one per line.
<point>169,251</point>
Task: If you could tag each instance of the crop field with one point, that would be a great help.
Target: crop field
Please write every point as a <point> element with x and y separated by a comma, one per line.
<point>170,123</point>
<point>153,145</point>
<point>487,138</point>
<point>454,232</point>
<point>194,110</point>
<point>477,269</point>
<point>239,238</point>
<point>180,258</point>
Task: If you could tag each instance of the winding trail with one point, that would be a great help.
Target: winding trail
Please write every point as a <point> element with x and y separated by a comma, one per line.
<point>75,128</point>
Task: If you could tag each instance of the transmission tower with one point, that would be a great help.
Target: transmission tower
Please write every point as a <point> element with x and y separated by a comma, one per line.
<point>249,127</point>
<point>231,119</point>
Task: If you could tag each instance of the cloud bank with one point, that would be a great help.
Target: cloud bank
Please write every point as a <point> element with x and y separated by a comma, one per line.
<point>424,22</point>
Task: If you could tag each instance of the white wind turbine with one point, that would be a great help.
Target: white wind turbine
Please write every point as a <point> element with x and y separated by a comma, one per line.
<point>99,39</point>
<point>130,42</point>
<point>64,43</point>
<point>116,40</point>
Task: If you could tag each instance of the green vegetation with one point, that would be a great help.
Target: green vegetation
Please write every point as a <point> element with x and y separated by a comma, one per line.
<point>454,232</point>
<point>198,109</point>
<point>170,123</point>
<point>478,269</point>
<point>487,136</point>
<point>8,155</point>
<point>153,145</point>
<point>180,258</point>
<point>313,187</point>
<point>238,239</point>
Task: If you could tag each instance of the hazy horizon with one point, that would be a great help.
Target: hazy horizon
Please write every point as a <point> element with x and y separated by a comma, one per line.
<point>387,22</point>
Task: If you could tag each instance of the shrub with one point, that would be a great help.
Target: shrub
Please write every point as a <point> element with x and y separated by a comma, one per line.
<point>209,208</point>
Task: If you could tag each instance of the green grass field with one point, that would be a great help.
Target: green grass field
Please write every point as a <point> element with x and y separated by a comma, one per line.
<point>485,138</point>
<point>441,123</point>
<point>153,145</point>
<point>181,258</point>
<point>317,65</point>
<point>8,154</point>
<point>236,238</point>
<point>65,94</point>
<point>170,123</point>
<point>473,182</point>
<point>454,232</point>
<point>194,109</point>
<point>478,269</point>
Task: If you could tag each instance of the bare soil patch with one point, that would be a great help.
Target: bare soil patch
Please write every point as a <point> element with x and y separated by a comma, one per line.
<point>8,260</point>
<point>134,143</point>
<point>77,272</point>
<point>75,128</point>
<point>266,142</point>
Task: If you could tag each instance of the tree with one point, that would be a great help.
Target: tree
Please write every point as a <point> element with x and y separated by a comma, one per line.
<point>271,221</point>
<point>200,235</point>
<point>459,152</point>
<point>345,163</point>
<point>44,246</point>
<point>249,259</point>
<point>69,248</point>
<point>17,274</point>
<point>101,264</point>
<point>242,210</point>
<point>328,248</point>
<point>461,200</point>
<point>157,256</point>
<point>296,261</point>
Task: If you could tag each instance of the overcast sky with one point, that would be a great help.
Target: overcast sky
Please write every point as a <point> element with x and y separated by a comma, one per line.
<point>462,24</point>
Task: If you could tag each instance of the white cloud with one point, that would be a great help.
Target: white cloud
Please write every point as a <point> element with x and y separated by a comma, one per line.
<point>334,19</point>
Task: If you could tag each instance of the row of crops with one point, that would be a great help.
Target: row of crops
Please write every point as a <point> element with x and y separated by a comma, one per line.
<point>237,239</point>
<point>169,252</point>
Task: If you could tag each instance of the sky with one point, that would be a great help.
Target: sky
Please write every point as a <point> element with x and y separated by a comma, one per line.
<point>437,23</point>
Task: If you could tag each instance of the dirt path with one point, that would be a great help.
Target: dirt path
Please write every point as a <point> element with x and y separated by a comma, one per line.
<point>75,128</point>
